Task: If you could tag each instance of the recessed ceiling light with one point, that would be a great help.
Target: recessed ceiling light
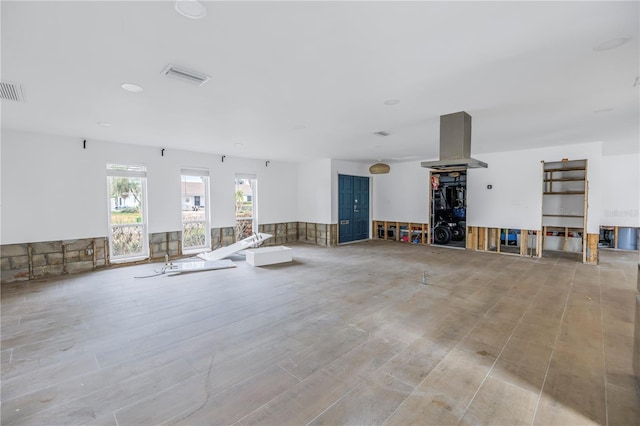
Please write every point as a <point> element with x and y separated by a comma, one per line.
<point>193,9</point>
<point>391,102</point>
<point>104,123</point>
<point>129,87</point>
<point>612,44</point>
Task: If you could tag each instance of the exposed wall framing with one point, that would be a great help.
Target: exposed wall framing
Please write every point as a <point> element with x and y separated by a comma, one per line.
<point>488,239</point>
<point>401,231</point>
<point>163,244</point>
<point>28,261</point>
<point>21,262</point>
<point>591,254</point>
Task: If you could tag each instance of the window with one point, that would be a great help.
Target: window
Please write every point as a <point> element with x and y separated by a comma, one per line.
<point>126,189</point>
<point>196,234</point>
<point>246,188</point>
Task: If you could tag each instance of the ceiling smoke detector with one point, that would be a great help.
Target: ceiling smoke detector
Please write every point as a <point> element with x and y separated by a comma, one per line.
<point>192,9</point>
<point>184,74</point>
<point>11,92</point>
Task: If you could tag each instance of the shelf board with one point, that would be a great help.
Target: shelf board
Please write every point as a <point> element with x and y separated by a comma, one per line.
<point>566,169</point>
<point>564,193</point>
<point>562,228</point>
<point>562,215</point>
<point>573,179</point>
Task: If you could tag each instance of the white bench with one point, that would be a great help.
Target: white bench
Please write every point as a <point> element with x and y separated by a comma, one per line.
<point>268,255</point>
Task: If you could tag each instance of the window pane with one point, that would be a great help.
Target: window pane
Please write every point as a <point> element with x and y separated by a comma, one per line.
<point>194,235</point>
<point>195,224</point>
<point>245,207</point>
<point>193,198</point>
<point>126,240</point>
<point>126,200</point>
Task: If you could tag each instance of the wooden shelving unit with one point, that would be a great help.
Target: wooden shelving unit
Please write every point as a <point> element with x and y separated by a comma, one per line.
<point>409,232</point>
<point>490,240</point>
<point>564,206</point>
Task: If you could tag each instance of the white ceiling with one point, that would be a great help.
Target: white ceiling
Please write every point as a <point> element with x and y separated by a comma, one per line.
<point>527,73</point>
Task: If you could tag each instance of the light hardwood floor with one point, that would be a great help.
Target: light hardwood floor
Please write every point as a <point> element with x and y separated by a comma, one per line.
<point>343,335</point>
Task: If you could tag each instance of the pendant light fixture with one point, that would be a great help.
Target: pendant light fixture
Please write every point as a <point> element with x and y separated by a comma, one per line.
<point>379,168</point>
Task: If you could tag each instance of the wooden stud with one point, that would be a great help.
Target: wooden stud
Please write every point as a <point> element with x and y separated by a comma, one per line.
<point>473,233</point>
<point>30,261</point>
<point>592,249</point>
<point>93,251</point>
<point>326,234</point>
<point>585,243</point>
<point>64,258</point>
<point>482,239</point>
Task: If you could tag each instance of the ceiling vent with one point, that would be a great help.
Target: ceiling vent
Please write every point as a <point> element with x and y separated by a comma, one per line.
<point>184,74</point>
<point>382,133</point>
<point>11,92</point>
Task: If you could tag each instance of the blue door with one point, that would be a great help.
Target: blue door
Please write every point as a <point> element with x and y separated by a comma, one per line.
<point>353,208</point>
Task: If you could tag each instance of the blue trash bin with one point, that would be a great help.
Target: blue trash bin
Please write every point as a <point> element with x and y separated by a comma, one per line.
<point>627,238</point>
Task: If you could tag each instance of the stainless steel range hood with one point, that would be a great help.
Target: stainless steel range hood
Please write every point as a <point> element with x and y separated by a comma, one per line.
<point>455,144</point>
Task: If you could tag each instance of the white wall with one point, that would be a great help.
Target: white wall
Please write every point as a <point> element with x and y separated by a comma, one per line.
<point>53,189</point>
<point>314,191</point>
<point>402,194</point>
<point>620,202</point>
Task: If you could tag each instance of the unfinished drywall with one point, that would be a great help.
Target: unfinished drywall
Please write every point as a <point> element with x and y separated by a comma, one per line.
<point>515,199</point>
<point>54,189</point>
<point>277,189</point>
<point>402,194</point>
<point>620,203</point>
<point>314,191</point>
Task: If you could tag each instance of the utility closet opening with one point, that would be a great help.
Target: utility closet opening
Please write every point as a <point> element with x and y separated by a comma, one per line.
<point>448,201</point>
